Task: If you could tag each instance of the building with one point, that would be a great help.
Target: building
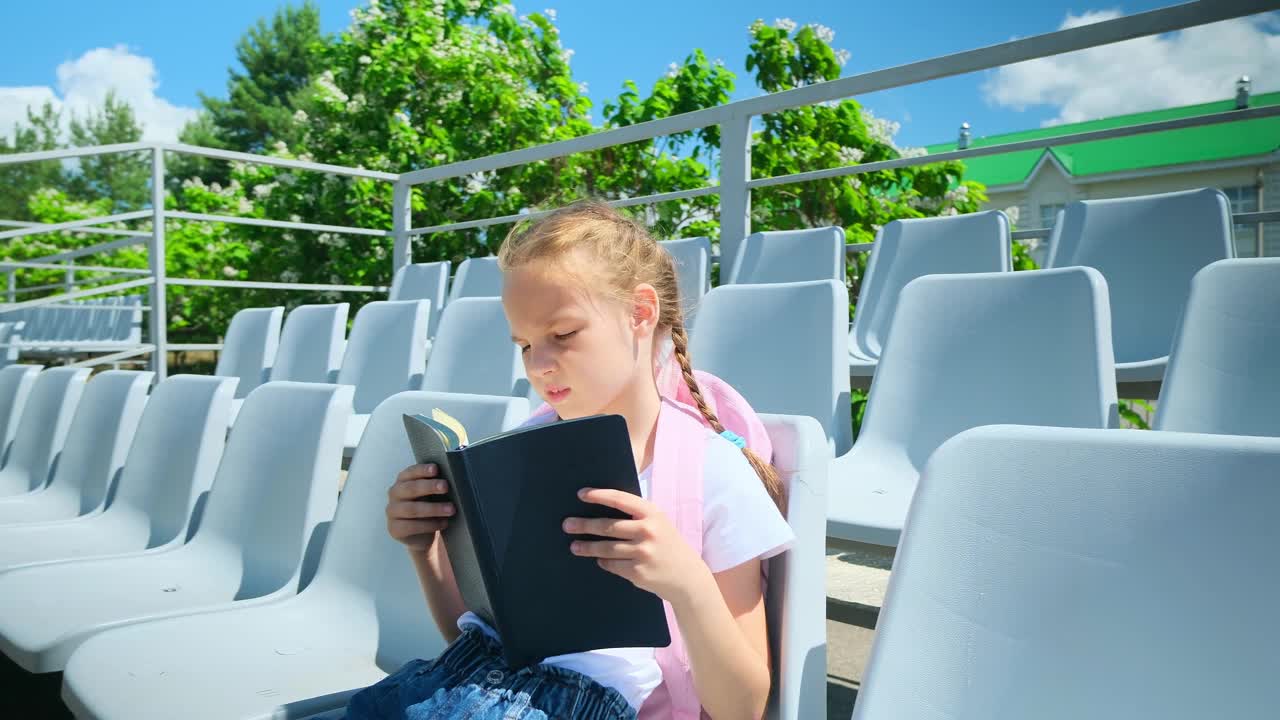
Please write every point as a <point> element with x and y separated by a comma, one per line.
<point>1241,158</point>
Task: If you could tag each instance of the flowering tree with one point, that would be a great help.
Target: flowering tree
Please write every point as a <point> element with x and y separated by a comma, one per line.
<point>416,83</point>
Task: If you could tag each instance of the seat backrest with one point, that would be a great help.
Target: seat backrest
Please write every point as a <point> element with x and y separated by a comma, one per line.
<point>37,323</point>
<point>787,256</point>
<point>1148,248</point>
<point>908,249</point>
<point>795,600</point>
<point>386,352</point>
<point>81,313</point>
<point>277,480</point>
<point>101,324</point>
<point>126,323</point>
<point>100,434</point>
<point>10,333</point>
<point>473,352</point>
<point>1222,372</point>
<point>174,455</point>
<point>424,281</point>
<point>984,348</point>
<point>311,343</point>
<point>1034,554</point>
<point>477,277</point>
<point>42,429</point>
<point>360,559</point>
<point>249,348</point>
<point>693,272</point>
<point>16,382</point>
<point>783,347</point>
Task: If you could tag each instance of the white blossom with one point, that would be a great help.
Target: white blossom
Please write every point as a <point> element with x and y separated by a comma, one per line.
<point>365,60</point>
<point>755,26</point>
<point>566,55</point>
<point>505,9</point>
<point>245,205</point>
<point>280,148</point>
<point>824,33</point>
<point>582,87</point>
<point>194,182</point>
<point>550,12</point>
<point>1013,211</point>
<point>672,70</point>
<point>229,271</point>
<point>842,57</point>
<point>911,152</point>
<point>786,24</point>
<point>328,87</point>
<point>290,276</point>
<point>851,155</point>
<point>300,116</point>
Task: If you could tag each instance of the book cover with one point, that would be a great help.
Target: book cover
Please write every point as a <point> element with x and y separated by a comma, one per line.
<point>506,544</point>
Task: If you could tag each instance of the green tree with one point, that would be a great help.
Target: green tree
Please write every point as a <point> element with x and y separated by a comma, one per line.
<point>122,177</point>
<point>18,182</point>
<point>279,59</point>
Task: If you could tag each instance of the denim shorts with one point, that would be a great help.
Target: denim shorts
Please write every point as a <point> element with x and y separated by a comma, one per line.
<point>471,681</point>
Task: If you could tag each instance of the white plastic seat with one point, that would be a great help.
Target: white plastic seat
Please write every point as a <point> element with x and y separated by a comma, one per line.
<point>693,272</point>
<point>98,438</point>
<point>796,598</point>
<point>907,249</point>
<point>361,617</point>
<point>249,348</point>
<point>42,430</point>
<point>474,353</point>
<point>386,354</point>
<point>1222,375</point>
<point>971,350</point>
<point>476,277</point>
<point>1148,248</point>
<point>276,483</point>
<point>786,256</point>
<point>1060,574</point>
<point>311,346</point>
<point>123,327</point>
<point>16,382</point>
<point>797,365</point>
<point>424,281</point>
<point>162,487</point>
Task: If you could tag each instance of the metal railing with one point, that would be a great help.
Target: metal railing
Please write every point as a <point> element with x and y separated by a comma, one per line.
<point>734,187</point>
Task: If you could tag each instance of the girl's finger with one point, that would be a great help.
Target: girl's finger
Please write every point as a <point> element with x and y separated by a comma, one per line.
<point>604,527</point>
<point>622,568</point>
<point>609,549</point>
<point>401,529</point>
<point>413,489</point>
<point>412,510</point>
<point>414,472</point>
<point>633,505</point>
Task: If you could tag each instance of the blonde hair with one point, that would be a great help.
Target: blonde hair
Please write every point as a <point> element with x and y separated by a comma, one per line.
<point>625,255</point>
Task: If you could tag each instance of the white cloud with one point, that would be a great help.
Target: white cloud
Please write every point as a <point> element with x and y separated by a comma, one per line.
<point>1196,65</point>
<point>83,84</point>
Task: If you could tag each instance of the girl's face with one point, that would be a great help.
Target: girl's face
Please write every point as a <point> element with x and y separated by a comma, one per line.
<point>584,351</point>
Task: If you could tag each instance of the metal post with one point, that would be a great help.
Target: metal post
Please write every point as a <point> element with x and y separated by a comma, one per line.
<point>1262,227</point>
<point>156,261</point>
<point>401,217</point>
<point>735,197</point>
<point>13,286</point>
<point>69,278</point>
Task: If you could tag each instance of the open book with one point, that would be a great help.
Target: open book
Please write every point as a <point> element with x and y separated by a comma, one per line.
<point>506,542</point>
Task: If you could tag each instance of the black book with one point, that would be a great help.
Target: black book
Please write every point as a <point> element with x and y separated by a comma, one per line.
<point>506,542</point>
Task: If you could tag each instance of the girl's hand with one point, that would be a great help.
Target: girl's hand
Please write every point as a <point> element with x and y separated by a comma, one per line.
<point>646,549</point>
<point>411,519</point>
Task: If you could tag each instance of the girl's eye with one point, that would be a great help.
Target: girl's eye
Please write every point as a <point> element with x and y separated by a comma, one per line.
<point>567,335</point>
<point>524,349</point>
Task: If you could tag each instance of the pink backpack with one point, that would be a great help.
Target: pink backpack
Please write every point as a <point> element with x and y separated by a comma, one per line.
<point>676,487</point>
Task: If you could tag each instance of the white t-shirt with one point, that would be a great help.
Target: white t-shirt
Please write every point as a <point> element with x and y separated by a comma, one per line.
<point>739,523</point>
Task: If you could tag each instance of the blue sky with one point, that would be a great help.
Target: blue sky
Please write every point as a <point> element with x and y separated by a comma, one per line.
<point>171,51</point>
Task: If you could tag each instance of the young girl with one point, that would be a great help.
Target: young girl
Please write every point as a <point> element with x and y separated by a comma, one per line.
<point>592,302</point>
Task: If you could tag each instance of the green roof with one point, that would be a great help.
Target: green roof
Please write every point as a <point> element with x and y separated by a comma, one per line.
<point>1223,141</point>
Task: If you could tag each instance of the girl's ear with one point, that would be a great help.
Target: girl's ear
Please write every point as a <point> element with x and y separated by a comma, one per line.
<point>645,308</point>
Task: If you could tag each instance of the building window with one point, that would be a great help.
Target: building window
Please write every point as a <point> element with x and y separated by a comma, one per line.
<point>1049,214</point>
<point>1244,198</point>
